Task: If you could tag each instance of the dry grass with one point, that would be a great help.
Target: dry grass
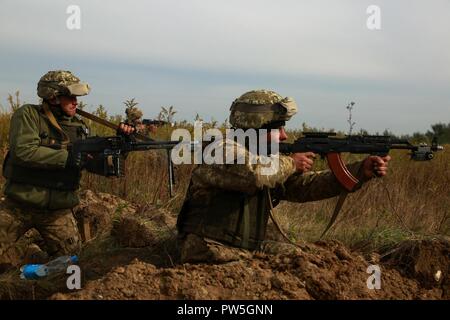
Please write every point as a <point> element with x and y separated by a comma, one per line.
<point>413,201</point>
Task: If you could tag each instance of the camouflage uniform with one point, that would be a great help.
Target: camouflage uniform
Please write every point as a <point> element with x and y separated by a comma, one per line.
<point>58,229</point>
<point>226,211</point>
<point>134,118</point>
<point>41,190</point>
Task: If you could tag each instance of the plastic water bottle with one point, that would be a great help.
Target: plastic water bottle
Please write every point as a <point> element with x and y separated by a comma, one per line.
<point>36,271</point>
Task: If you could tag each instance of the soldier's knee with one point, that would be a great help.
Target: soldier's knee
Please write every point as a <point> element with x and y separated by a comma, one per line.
<point>64,246</point>
<point>61,235</point>
<point>11,226</point>
<point>12,255</point>
<point>11,230</point>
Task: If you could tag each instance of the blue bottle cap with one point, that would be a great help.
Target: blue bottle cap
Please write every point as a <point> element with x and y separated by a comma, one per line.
<point>74,259</point>
<point>29,271</point>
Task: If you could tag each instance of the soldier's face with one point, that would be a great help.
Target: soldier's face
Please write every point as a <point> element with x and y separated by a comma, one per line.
<point>68,105</point>
<point>277,135</point>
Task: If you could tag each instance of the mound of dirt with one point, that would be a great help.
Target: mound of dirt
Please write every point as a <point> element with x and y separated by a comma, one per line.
<point>133,254</point>
<point>426,261</point>
<point>143,229</point>
<point>97,211</point>
<point>325,270</point>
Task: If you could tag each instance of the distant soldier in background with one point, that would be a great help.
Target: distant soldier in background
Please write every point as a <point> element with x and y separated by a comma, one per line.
<point>134,118</point>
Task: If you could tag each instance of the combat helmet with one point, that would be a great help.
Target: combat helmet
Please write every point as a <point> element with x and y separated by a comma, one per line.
<point>261,109</point>
<point>133,114</point>
<point>61,82</point>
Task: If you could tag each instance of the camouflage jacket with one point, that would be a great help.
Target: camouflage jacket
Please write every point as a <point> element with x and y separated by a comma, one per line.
<point>35,167</point>
<point>229,202</point>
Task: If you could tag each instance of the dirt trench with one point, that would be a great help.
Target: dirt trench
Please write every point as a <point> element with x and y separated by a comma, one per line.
<point>133,255</point>
<point>326,270</point>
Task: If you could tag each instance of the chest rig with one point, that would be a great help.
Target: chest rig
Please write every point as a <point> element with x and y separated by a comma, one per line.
<point>231,217</point>
<point>55,131</point>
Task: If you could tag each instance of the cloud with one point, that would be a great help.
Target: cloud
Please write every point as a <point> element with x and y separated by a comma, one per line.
<point>321,49</point>
<point>289,37</point>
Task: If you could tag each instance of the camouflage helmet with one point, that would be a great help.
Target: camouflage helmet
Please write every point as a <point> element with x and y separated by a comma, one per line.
<point>60,82</point>
<point>261,108</point>
<point>133,114</point>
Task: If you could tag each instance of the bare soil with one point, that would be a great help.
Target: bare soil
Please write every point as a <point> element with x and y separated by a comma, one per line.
<point>133,255</point>
<point>325,270</point>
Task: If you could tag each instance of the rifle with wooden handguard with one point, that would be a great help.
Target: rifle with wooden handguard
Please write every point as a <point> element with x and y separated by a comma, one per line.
<point>330,146</point>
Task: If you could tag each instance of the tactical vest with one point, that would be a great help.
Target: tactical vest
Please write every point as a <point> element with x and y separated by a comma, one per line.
<point>233,218</point>
<point>64,179</point>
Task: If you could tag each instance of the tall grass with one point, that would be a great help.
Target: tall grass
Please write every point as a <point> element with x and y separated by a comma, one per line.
<point>412,201</point>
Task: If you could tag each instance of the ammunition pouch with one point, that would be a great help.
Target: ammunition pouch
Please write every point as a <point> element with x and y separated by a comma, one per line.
<point>60,179</point>
<point>233,218</point>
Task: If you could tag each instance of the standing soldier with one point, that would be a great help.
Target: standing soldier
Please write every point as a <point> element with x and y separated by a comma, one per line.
<point>42,170</point>
<point>227,207</point>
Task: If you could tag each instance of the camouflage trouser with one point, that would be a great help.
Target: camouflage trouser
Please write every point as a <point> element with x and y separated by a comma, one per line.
<point>58,229</point>
<point>194,248</point>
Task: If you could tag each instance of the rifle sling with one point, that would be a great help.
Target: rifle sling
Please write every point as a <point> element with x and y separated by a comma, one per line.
<point>275,222</point>
<point>246,223</point>
<point>336,211</point>
<point>340,202</point>
<point>65,141</point>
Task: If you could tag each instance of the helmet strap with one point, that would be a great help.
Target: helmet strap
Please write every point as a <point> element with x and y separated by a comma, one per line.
<point>274,125</point>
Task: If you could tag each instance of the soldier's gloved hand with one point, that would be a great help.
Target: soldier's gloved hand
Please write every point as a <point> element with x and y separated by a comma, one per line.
<point>76,158</point>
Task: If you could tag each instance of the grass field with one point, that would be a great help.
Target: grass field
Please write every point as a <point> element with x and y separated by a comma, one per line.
<point>413,201</point>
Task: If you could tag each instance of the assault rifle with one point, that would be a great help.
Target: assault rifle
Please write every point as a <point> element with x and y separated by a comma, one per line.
<point>113,149</point>
<point>328,145</point>
<point>155,122</point>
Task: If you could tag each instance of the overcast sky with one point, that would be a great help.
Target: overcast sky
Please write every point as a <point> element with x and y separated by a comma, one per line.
<point>199,55</point>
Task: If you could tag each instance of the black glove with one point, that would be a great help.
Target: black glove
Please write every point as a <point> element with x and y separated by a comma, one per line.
<point>76,158</point>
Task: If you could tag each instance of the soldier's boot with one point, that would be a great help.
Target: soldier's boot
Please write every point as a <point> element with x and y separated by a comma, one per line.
<point>195,249</point>
<point>60,232</point>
